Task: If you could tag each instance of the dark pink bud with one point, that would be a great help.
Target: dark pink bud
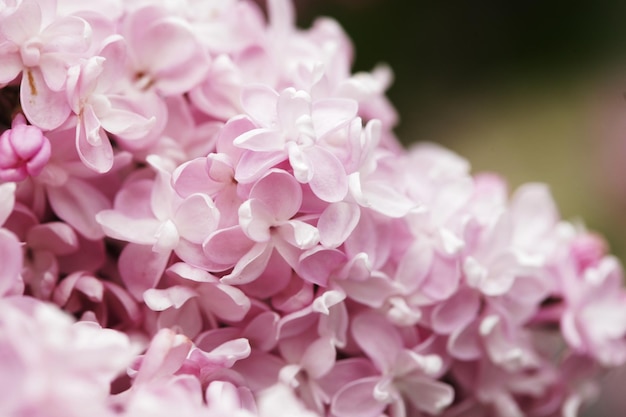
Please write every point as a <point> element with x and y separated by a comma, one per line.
<point>24,151</point>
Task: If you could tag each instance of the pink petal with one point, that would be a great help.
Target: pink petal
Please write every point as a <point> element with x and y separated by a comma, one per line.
<point>346,371</point>
<point>228,353</point>
<point>141,268</point>
<point>133,199</point>
<point>57,237</point>
<point>68,34</point>
<point>329,181</point>
<point>233,128</point>
<point>337,222</point>
<point>332,113</point>
<point>381,197</point>
<point>274,278</point>
<point>300,163</point>
<point>165,356</point>
<point>256,219</point>
<point>372,292</point>
<point>11,261</point>
<point>7,200</point>
<point>299,234</point>
<point>319,357</point>
<point>291,106</point>
<point>43,107</point>
<point>415,265</point>
<point>282,16</point>
<point>317,264</point>
<point>443,280</point>
<point>226,302</point>
<point>135,119</point>
<point>126,123</point>
<point>182,77</point>
<point>378,338</point>
<point>465,344</point>
<point>11,65</point>
<point>227,246</point>
<point>184,271</point>
<point>23,23</point>
<point>97,157</point>
<point>456,312</point>
<point>535,213</point>
<point>260,369</point>
<point>158,41</point>
<point>259,101</point>
<point>280,192</point>
<point>77,202</point>
<point>426,394</point>
<point>114,54</point>
<point>267,140</point>
<point>262,331</point>
<point>356,399</point>
<point>192,177</point>
<point>253,165</point>
<point>250,266</point>
<point>172,297</point>
<point>54,69</point>
<point>187,320</point>
<point>196,218</point>
<point>295,299</point>
<point>122,227</point>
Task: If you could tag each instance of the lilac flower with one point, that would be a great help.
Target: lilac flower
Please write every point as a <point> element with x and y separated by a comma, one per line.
<point>226,211</point>
<point>90,92</point>
<point>54,366</point>
<point>293,126</point>
<point>41,45</point>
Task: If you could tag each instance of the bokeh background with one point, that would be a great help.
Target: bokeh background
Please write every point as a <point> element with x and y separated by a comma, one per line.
<point>533,90</point>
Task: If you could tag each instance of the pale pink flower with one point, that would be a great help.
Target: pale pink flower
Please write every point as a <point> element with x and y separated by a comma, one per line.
<point>162,222</point>
<point>42,45</point>
<point>292,126</point>
<point>266,222</point>
<point>401,374</point>
<point>594,320</point>
<point>91,92</point>
<point>55,367</point>
<point>163,51</point>
<point>74,192</point>
<point>193,298</point>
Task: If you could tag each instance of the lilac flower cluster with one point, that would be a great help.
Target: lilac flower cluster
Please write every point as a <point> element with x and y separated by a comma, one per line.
<point>224,210</point>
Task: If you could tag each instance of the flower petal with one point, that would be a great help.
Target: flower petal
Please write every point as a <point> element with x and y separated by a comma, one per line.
<point>356,399</point>
<point>141,268</point>
<point>43,107</point>
<point>329,181</point>
<point>77,202</point>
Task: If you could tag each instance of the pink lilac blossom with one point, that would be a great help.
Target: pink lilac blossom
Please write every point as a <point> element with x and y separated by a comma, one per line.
<point>203,212</point>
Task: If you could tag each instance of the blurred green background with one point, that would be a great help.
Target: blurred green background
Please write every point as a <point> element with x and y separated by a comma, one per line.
<point>533,90</point>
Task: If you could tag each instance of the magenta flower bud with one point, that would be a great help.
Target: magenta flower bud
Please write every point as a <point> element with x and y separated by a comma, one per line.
<point>24,151</point>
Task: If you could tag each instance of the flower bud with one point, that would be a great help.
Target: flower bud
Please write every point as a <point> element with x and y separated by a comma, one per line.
<point>24,151</point>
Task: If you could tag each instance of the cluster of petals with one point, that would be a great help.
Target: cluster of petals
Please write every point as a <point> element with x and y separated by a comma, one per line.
<point>204,213</point>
